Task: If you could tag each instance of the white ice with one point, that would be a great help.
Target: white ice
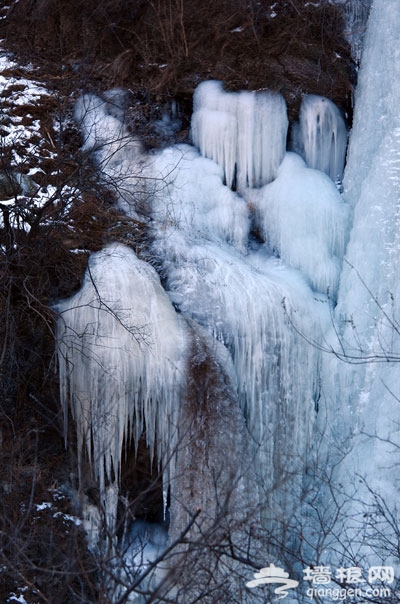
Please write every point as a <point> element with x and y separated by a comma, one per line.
<point>303,220</point>
<point>362,392</point>
<point>245,133</point>
<point>122,360</point>
<point>190,196</point>
<point>321,136</point>
<point>117,153</point>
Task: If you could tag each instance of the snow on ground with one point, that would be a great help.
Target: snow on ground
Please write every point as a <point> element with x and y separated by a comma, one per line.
<point>31,180</point>
<point>28,140</point>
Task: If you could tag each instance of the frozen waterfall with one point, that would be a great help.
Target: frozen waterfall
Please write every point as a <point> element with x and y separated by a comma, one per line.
<point>236,343</point>
<point>245,294</point>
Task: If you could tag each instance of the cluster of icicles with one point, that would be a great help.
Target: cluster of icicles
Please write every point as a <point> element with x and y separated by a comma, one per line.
<point>124,350</point>
<point>246,133</point>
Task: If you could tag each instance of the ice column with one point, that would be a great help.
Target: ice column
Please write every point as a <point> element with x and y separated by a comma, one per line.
<point>362,393</point>
<point>322,136</point>
<point>244,132</point>
<point>121,351</point>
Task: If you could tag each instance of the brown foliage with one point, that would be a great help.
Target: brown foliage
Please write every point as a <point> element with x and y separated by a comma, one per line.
<point>169,46</point>
<point>42,551</point>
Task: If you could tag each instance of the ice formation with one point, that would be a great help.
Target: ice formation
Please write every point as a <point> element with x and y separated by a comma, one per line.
<point>303,220</point>
<point>240,302</point>
<point>250,315</point>
<point>362,392</point>
<point>191,198</point>
<point>356,17</point>
<point>99,129</point>
<point>244,133</point>
<point>121,350</point>
<point>118,154</point>
<point>252,304</point>
<point>367,307</point>
<point>321,136</point>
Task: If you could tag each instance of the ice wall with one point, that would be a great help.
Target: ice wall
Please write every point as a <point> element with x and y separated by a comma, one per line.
<point>245,133</point>
<point>362,390</point>
<point>367,297</point>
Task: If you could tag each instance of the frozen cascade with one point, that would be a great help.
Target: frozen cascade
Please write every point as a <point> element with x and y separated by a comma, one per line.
<point>245,133</point>
<point>248,304</point>
<point>122,356</point>
<point>321,136</point>
<point>362,399</point>
<point>242,310</point>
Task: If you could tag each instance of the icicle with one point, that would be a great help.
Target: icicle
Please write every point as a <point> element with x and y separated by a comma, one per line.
<point>245,133</point>
<point>322,136</point>
<point>215,133</point>
<point>121,350</point>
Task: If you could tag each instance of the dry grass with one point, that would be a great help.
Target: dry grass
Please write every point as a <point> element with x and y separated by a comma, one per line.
<point>168,46</point>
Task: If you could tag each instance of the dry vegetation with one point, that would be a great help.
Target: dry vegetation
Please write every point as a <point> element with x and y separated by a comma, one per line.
<point>167,47</point>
